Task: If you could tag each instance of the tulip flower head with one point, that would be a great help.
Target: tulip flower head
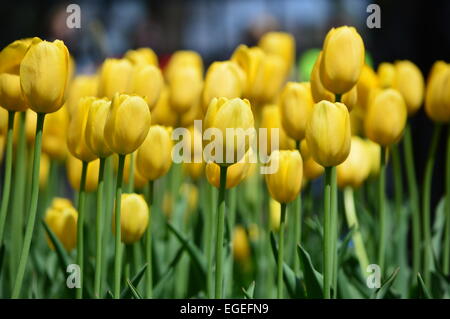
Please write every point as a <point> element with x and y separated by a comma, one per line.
<point>437,99</point>
<point>62,219</point>
<point>95,127</point>
<point>115,77</point>
<point>409,82</point>
<point>142,56</point>
<point>311,169</point>
<point>356,168</point>
<point>147,81</point>
<point>281,44</point>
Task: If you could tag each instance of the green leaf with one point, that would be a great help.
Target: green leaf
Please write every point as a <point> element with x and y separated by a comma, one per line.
<point>63,257</point>
<point>193,251</point>
<point>381,292</point>
<point>133,289</point>
<point>423,291</point>
<point>248,293</point>
<point>2,254</point>
<point>160,285</point>
<point>343,247</point>
<point>312,278</point>
<point>126,292</point>
<point>438,229</point>
<point>109,295</point>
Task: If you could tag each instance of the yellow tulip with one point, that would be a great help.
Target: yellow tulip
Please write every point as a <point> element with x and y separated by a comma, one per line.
<point>76,140</point>
<point>357,121</point>
<point>318,91</point>
<point>62,220</point>
<point>284,185</point>
<point>437,98</point>
<point>374,154</point>
<point>134,218</point>
<point>95,127</point>
<point>241,246</point>
<point>311,169</point>
<point>356,168</point>
<point>2,147</point>
<point>115,77</point>
<point>154,157</point>
<point>127,123</point>
<point>350,98</point>
<point>236,173</point>
<point>436,68</point>
<point>223,114</point>
<point>11,97</point>
<point>410,83</point>
<point>81,86</point>
<point>73,168</point>
<point>386,74</point>
<point>12,55</point>
<point>328,133</point>
<point>139,181</point>
<point>147,81</point>
<point>142,56</point>
<point>342,60</point>
<point>44,168</point>
<point>185,87</point>
<point>194,170</point>
<point>296,106</point>
<point>44,73</point>
<point>367,82</point>
<point>223,79</point>
<point>54,137</point>
<point>281,44</point>
<point>275,214</point>
<point>162,114</point>
<point>386,117</point>
<point>181,59</point>
<point>190,193</point>
<point>187,118</point>
<point>271,119</point>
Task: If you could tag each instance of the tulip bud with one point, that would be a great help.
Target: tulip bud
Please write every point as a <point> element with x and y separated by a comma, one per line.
<point>142,56</point>
<point>95,127</point>
<point>11,97</point>
<point>241,247</point>
<point>374,155</point>
<point>436,68</point>
<point>181,59</point>
<point>115,77</point>
<point>275,214</point>
<point>367,82</point>
<point>54,137</point>
<point>154,157</point>
<point>12,55</point>
<point>62,219</point>
<point>185,88</point>
<point>147,81</point>
<point>234,114</point>
<point>162,114</point>
<point>356,168</point>
<point>236,173</point>
<point>223,79</point>
<point>127,123</point>
<point>194,170</point>
<point>328,133</point>
<point>386,117</point>
<point>410,83</point>
<point>284,185</point>
<point>271,119</point>
<point>342,59</point>
<point>296,106</point>
<point>318,91</point>
<point>281,44</point>
<point>350,98</point>
<point>386,74</point>
<point>311,170</point>
<point>134,218</point>
<point>81,86</point>
<point>44,74</point>
<point>437,98</point>
<point>73,168</point>
<point>76,140</point>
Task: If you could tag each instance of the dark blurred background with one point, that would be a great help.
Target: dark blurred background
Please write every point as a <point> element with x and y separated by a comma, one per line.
<point>414,30</point>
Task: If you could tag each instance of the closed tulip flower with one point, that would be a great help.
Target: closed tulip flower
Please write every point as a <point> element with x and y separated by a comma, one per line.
<point>187,118</point>
<point>73,169</point>
<point>114,77</point>
<point>12,55</point>
<point>236,173</point>
<point>296,106</point>
<point>342,59</point>
<point>11,97</point>
<point>386,117</point>
<point>311,170</point>
<point>135,215</point>
<point>318,91</point>
<point>328,133</point>
<point>436,68</point>
<point>374,153</point>
<point>54,141</point>
<point>127,123</point>
<point>185,87</point>
<point>367,82</point>
<point>241,246</point>
<point>95,127</point>
<point>62,219</point>
<point>142,56</point>
<point>275,214</point>
<point>162,114</point>
<point>81,86</point>
<point>271,119</point>
<point>154,157</point>
<point>194,170</point>
<point>284,185</point>
<point>437,98</point>
<point>410,83</point>
<point>147,81</point>
<point>386,74</point>
<point>223,114</point>
<point>76,140</point>
<point>181,59</point>
<point>44,73</point>
<point>281,44</point>
<point>356,168</point>
<point>350,98</point>
<point>223,79</point>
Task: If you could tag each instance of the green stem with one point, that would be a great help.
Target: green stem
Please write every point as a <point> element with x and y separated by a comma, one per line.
<point>118,252</point>
<point>148,244</point>
<point>382,209</point>
<point>280,252</point>
<point>413,198</point>
<point>446,256</point>
<point>209,230</point>
<point>130,186</point>
<point>297,230</point>
<point>220,230</point>
<point>99,232</point>
<point>334,229</point>
<point>428,256</point>
<point>33,207</point>
<point>327,252</point>
<point>400,219</point>
<point>80,223</point>
<point>8,173</point>
<point>352,221</point>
